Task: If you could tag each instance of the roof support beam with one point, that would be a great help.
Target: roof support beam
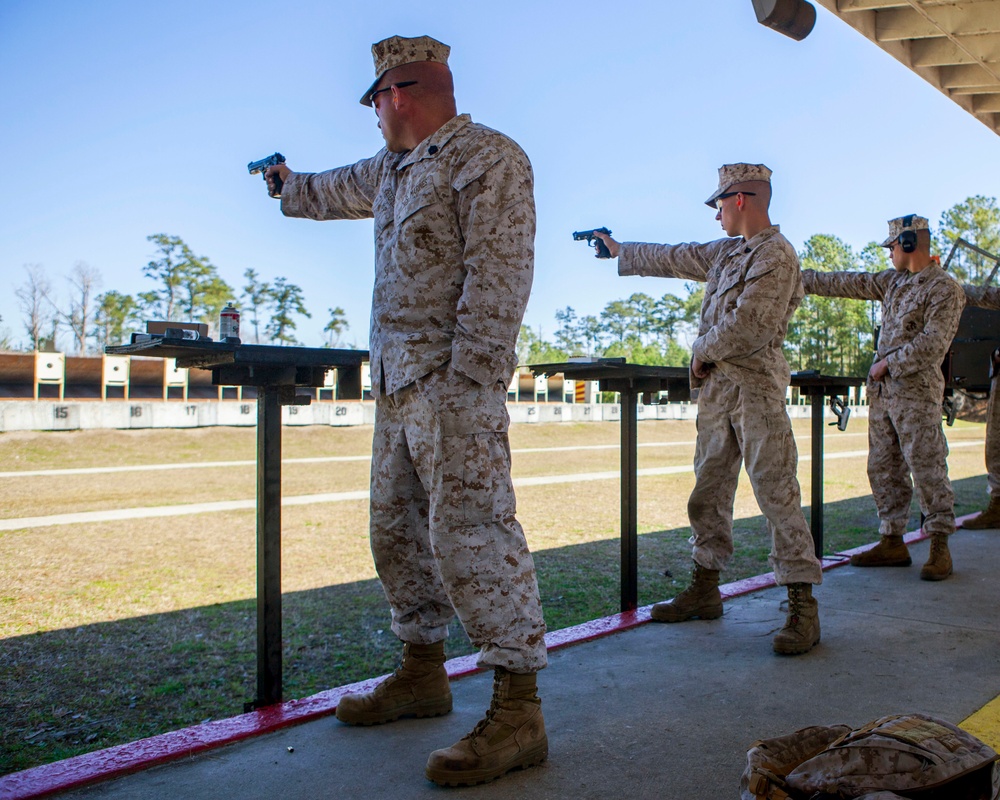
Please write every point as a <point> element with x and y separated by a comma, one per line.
<point>954,45</point>
<point>965,76</point>
<point>977,90</point>
<point>849,6</point>
<point>894,24</point>
<point>984,50</point>
<point>986,103</point>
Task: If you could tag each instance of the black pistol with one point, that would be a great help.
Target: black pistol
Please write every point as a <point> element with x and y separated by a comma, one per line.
<point>593,241</point>
<point>271,161</point>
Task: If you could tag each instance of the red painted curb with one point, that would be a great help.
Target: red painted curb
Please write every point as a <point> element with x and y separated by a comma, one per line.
<point>115,762</point>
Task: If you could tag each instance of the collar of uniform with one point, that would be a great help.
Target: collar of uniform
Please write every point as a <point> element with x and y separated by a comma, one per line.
<point>926,273</point>
<point>434,143</point>
<point>747,245</point>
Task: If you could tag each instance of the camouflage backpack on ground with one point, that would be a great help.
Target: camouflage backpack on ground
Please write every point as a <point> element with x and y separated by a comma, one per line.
<point>902,757</point>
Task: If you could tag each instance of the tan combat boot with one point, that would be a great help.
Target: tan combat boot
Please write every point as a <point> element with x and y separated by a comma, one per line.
<point>510,736</point>
<point>701,600</point>
<point>418,688</point>
<point>990,518</point>
<point>801,631</point>
<point>938,566</point>
<point>891,551</point>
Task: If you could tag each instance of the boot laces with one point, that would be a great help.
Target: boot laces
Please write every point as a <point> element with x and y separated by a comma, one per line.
<point>487,720</point>
<point>794,605</point>
<point>398,672</point>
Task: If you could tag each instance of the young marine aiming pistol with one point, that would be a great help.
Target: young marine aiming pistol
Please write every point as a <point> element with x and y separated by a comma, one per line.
<point>593,241</point>
<point>260,166</point>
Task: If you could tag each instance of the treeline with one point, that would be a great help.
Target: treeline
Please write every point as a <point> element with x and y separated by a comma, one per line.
<point>642,329</point>
<point>186,287</point>
<point>830,334</point>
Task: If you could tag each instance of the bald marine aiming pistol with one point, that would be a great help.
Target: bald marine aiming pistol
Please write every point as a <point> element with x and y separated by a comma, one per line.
<point>593,241</point>
<point>260,166</point>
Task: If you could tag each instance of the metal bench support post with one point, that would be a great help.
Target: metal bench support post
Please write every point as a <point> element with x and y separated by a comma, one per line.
<point>630,499</point>
<point>268,546</point>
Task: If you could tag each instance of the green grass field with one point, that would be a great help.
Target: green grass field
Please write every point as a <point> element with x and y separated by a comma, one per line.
<point>114,631</point>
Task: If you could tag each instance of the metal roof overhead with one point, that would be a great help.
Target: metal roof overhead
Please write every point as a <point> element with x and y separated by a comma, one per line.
<point>952,44</point>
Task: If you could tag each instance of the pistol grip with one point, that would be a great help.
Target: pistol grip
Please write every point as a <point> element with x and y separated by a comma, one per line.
<point>278,185</point>
<point>602,249</point>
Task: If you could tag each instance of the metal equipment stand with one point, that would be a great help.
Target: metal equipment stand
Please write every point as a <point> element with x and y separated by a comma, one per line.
<point>275,372</point>
<point>818,387</point>
<point>629,380</point>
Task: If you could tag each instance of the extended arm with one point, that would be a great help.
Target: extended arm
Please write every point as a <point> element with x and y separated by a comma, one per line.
<point>983,297</point>
<point>690,261</point>
<point>341,193</point>
<point>854,285</point>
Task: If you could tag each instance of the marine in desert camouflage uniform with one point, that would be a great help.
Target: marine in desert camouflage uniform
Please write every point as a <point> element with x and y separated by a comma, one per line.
<point>752,289</point>
<point>921,308</point>
<point>989,297</point>
<point>454,216</point>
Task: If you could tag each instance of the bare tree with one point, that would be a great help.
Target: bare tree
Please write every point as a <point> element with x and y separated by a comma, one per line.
<point>33,300</point>
<point>84,280</point>
<point>5,340</point>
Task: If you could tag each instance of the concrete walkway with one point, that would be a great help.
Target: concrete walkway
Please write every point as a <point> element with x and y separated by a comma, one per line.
<point>658,711</point>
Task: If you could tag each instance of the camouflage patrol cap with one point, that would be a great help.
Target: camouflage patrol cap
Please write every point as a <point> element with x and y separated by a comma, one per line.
<point>398,50</point>
<point>911,222</point>
<point>731,174</point>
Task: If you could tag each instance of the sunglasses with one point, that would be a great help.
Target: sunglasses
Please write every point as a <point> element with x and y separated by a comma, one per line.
<point>371,97</point>
<point>724,195</point>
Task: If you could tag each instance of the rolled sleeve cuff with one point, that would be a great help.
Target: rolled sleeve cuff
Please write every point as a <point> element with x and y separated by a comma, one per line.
<point>485,364</point>
<point>291,195</point>
<point>626,260</point>
<point>897,366</point>
<point>699,350</point>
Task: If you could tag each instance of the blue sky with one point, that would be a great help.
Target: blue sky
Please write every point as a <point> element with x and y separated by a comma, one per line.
<point>123,119</point>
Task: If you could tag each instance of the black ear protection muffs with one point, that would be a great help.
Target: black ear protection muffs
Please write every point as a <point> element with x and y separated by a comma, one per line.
<point>908,239</point>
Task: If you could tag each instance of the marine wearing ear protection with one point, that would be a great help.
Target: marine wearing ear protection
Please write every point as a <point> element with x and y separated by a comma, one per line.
<point>908,239</point>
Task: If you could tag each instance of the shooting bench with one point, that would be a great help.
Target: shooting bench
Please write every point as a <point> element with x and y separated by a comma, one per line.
<point>275,372</point>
